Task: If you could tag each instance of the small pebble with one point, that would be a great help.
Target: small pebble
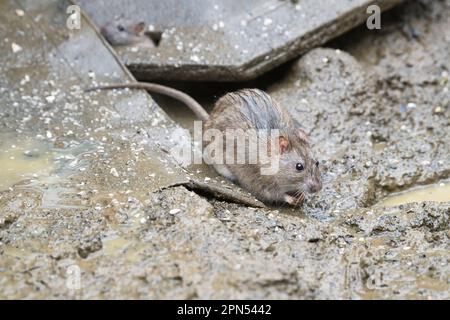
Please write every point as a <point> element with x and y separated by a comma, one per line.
<point>438,110</point>
<point>174,211</point>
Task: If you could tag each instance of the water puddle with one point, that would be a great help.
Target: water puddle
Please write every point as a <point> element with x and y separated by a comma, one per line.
<point>436,192</point>
<point>380,146</point>
<point>26,159</point>
<point>35,165</point>
<point>127,249</point>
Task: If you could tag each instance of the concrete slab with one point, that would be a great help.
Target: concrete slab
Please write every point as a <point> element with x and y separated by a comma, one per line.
<point>44,69</point>
<point>228,40</point>
<point>45,66</point>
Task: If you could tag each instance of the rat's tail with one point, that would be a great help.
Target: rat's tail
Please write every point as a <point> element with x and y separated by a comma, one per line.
<point>157,88</point>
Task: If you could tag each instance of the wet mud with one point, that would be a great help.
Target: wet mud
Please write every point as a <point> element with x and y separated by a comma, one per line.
<point>114,217</point>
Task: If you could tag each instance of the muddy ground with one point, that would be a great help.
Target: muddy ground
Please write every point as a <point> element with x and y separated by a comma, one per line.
<point>377,107</point>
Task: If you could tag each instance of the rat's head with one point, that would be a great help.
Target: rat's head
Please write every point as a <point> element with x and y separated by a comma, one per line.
<point>299,172</point>
<point>122,32</point>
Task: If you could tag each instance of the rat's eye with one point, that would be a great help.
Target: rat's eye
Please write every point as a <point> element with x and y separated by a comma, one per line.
<point>120,28</point>
<point>317,163</point>
<point>299,167</point>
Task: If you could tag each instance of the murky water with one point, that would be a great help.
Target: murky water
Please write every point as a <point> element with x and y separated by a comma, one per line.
<point>126,248</point>
<point>437,192</point>
<point>33,164</point>
<point>22,160</point>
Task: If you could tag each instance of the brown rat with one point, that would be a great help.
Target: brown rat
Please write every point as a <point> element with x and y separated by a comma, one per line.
<point>123,32</point>
<point>298,171</point>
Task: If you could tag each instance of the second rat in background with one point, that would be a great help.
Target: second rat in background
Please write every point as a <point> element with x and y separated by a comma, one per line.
<point>298,171</point>
<point>123,32</point>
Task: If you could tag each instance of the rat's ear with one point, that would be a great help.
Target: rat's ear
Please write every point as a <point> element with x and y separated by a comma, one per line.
<point>302,135</point>
<point>139,28</point>
<point>283,144</point>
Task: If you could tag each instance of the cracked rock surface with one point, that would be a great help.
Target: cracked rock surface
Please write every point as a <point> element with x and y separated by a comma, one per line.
<point>112,218</point>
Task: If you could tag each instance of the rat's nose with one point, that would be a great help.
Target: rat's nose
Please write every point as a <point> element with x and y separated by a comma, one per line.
<point>314,186</point>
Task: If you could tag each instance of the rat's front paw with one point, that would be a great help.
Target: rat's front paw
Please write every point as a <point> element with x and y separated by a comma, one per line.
<point>294,201</point>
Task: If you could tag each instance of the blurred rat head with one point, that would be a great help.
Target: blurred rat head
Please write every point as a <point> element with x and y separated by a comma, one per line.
<point>123,32</point>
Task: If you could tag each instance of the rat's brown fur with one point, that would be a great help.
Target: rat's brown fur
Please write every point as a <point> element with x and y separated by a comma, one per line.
<point>254,109</point>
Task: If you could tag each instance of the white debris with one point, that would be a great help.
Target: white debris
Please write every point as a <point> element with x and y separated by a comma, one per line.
<point>267,21</point>
<point>20,12</point>
<point>438,110</point>
<point>50,99</point>
<point>174,211</point>
<point>25,79</point>
<point>195,58</point>
<point>15,47</point>
<point>114,172</point>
